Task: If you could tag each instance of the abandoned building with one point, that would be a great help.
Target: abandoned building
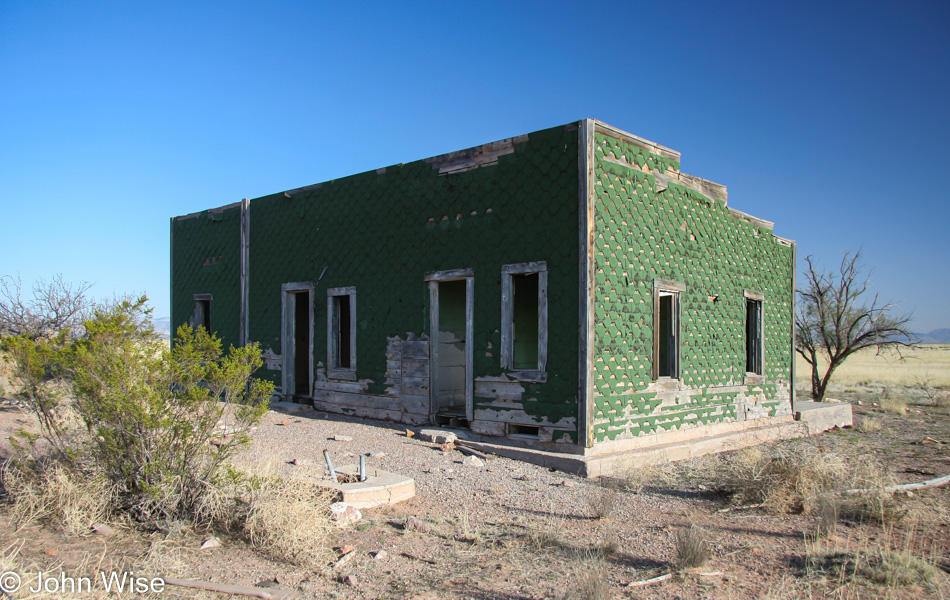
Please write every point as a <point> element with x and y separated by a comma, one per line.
<point>569,289</point>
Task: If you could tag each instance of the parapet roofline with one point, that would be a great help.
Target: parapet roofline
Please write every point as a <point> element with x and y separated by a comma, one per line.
<point>487,154</point>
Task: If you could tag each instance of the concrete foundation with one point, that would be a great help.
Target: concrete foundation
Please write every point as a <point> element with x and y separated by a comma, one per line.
<point>810,418</point>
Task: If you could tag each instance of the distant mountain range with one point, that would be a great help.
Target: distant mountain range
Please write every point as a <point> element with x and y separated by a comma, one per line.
<point>163,327</point>
<point>937,336</point>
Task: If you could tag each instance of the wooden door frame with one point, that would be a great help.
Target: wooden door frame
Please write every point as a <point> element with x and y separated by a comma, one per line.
<point>288,339</point>
<point>434,279</point>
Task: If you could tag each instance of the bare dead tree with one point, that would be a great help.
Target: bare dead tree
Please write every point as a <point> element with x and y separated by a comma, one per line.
<point>55,306</point>
<point>836,317</point>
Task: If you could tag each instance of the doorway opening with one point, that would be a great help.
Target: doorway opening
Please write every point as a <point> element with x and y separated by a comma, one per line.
<point>297,341</point>
<point>450,361</point>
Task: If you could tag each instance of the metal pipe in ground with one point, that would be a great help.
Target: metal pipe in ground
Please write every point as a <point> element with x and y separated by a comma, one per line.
<point>362,467</point>
<point>326,457</point>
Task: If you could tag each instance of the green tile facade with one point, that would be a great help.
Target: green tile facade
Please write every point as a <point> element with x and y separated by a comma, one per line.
<point>643,232</point>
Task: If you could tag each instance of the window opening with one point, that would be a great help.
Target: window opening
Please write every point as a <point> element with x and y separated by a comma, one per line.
<point>753,336</point>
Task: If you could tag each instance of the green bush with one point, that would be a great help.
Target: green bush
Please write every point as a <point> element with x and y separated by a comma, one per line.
<point>151,418</point>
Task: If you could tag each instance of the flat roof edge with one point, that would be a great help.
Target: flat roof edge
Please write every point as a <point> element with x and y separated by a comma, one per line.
<point>636,140</point>
<point>208,210</point>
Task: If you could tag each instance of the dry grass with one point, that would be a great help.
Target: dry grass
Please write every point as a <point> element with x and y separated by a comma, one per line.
<point>635,477</point>
<point>57,495</point>
<point>592,581</point>
<point>794,476</point>
<point>894,405</point>
<point>930,362</point>
<point>888,568</point>
<point>601,497</point>
<point>871,425</point>
<point>288,520</point>
<point>692,547</point>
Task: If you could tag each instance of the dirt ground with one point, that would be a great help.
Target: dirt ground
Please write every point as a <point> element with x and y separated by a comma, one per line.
<point>512,530</point>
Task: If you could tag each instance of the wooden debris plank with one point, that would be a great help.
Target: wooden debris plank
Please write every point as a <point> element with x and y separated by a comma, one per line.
<point>227,588</point>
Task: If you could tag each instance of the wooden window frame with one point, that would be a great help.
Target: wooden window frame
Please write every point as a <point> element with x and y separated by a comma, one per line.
<point>334,370</point>
<point>758,298</point>
<point>667,287</point>
<point>508,321</point>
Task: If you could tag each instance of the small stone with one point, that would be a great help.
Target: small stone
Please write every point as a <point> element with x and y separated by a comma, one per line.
<point>342,438</point>
<point>376,454</point>
<point>473,461</point>
<point>284,423</point>
<point>268,583</point>
<point>345,549</point>
<point>344,513</point>
<point>523,477</point>
<point>410,433</point>
<point>567,483</point>
<point>51,551</point>
<point>860,403</point>
<point>211,542</point>
<point>350,580</point>
<point>102,529</point>
<point>438,436</point>
<point>345,558</point>
<point>301,462</point>
<point>380,555</point>
<point>447,447</point>
<point>414,524</point>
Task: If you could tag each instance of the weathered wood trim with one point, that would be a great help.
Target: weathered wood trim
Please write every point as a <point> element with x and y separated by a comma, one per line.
<point>634,140</point>
<point>288,341</point>
<point>473,158</point>
<point>450,275</point>
<point>756,221</point>
<point>334,371</point>
<point>209,211</point>
<point>507,311</point>
<point>585,362</point>
<point>171,278</point>
<point>469,348</point>
<point>669,285</point>
<point>203,297</point>
<point>245,265</point>
<point>791,378</point>
<point>434,279</point>
<point>753,295</point>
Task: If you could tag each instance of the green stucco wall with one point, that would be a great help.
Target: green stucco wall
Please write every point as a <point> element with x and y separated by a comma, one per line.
<point>206,260</point>
<point>678,234</point>
<point>382,232</point>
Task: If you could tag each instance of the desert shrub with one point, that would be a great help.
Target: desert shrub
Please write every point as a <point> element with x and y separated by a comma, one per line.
<point>692,547</point>
<point>871,425</point>
<point>147,415</point>
<point>591,582</point>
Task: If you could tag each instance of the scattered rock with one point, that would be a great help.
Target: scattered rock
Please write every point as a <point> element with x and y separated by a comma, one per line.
<point>473,461</point>
<point>345,549</point>
<point>268,583</point>
<point>438,436</point>
<point>523,477</point>
<point>211,542</point>
<point>380,555</point>
<point>51,551</point>
<point>102,529</point>
<point>447,447</point>
<point>284,423</point>
<point>567,483</point>
<point>345,514</point>
<point>301,462</point>
<point>414,524</point>
<point>410,433</point>
<point>350,580</point>
<point>376,454</point>
<point>342,438</point>
<point>345,558</point>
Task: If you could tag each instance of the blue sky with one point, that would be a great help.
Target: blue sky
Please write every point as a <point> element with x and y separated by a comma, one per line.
<point>830,118</point>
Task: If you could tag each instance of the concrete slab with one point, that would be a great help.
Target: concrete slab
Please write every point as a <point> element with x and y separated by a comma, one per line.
<point>822,416</point>
<point>380,488</point>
